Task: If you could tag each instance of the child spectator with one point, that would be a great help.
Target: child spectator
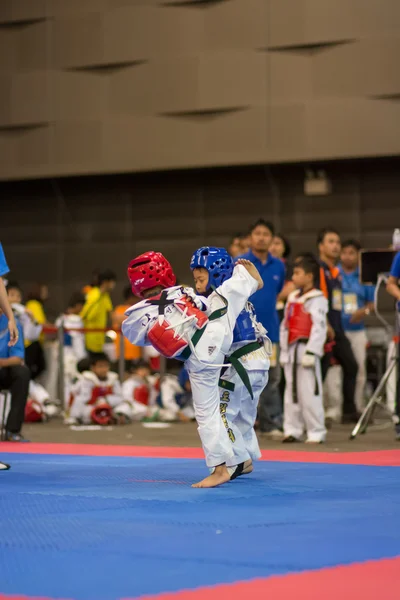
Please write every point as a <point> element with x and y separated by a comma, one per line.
<point>95,394</point>
<point>34,354</point>
<point>303,333</point>
<point>74,341</point>
<point>146,398</point>
<point>136,393</point>
<point>96,310</point>
<point>39,406</point>
<point>131,352</point>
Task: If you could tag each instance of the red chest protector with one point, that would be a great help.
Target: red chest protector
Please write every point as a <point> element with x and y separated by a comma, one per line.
<point>164,339</point>
<point>100,392</point>
<point>141,394</point>
<point>298,322</point>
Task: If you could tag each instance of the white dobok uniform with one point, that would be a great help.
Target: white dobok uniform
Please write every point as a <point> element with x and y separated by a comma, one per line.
<point>140,397</point>
<point>90,394</point>
<point>30,327</point>
<point>303,330</point>
<point>238,407</point>
<point>204,344</point>
<point>73,348</point>
<point>38,398</point>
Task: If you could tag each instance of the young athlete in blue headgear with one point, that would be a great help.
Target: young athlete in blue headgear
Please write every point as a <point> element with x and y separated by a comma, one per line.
<point>246,373</point>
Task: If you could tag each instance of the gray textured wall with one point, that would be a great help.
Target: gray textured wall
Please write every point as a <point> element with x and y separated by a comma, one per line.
<point>59,231</point>
<point>94,86</point>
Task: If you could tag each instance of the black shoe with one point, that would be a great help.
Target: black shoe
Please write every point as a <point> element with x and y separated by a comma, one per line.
<point>15,437</point>
<point>4,466</point>
<point>290,439</point>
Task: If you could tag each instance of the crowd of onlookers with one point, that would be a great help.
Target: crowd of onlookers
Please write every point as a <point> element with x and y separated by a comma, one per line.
<point>95,394</point>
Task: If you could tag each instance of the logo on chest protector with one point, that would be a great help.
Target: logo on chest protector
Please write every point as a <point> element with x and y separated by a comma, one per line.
<point>211,349</point>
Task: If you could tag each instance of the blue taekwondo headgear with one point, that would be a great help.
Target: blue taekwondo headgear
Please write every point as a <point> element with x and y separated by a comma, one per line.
<point>216,261</point>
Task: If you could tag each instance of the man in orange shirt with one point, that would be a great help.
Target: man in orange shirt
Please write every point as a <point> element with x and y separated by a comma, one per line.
<point>131,352</point>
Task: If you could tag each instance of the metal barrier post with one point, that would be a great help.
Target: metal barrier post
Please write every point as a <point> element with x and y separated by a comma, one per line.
<point>121,359</point>
<point>163,372</point>
<point>61,374</point>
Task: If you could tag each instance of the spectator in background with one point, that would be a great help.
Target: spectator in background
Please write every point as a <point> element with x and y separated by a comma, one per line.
<point>328,242</point>
<point>131,352</point>
<point>272,271</point>
<point>237,245</point>
<point>34,354</point>
<point>393,289</point>
<point>74,341</point>
<point>96,311</point>
<point>94,282</point>
<point>358,302</point>
<point>13,333</point>
<point>280,248</point>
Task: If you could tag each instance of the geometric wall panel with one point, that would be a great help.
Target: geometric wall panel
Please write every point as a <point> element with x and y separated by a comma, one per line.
<point>14,11</point>
<point>106,86</point>
<point>296,22</point>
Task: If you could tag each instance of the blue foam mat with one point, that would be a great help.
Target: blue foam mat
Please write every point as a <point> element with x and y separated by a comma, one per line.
<point>101,528</point>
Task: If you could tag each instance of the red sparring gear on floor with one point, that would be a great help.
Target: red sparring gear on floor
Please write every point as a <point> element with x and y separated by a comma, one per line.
<point>102,414</point>
<point>33,411</point>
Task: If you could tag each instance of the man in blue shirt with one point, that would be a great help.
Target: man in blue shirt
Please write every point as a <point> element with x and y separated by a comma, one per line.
<point>14,375</point>
<point>4,303</point>
<point>358,302</point>
<point>394,290</point>
<point>272,271</point>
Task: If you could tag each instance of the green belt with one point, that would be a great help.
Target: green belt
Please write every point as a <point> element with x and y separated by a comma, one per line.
<point>217,314</point>
<point>239,368</point>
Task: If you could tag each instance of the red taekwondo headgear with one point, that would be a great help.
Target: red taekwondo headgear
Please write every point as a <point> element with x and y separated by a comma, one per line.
<point>150,270</point>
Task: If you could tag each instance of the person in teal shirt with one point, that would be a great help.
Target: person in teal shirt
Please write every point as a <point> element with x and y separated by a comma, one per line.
<point>358,302</point>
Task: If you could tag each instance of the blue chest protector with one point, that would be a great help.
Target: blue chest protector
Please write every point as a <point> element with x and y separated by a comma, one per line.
<point>67,339</point>
<point>244,330</point>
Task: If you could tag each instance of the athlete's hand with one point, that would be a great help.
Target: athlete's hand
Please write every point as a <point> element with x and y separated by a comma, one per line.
<point>358,316</point>
<point>252,269</point>
<point>14,333</point>
<point>330,333</point>
<point>308,361</point>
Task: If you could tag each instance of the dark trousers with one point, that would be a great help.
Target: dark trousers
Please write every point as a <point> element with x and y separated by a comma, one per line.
<point>16,380</point>
<point>343,353</point>
<point>34,359</point>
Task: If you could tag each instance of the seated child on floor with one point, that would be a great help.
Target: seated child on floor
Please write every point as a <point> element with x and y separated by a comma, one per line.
<point>95,395</point>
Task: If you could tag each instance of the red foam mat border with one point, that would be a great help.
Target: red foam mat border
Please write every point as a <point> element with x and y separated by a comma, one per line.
<point>367,581</point>
<point>377,458</point>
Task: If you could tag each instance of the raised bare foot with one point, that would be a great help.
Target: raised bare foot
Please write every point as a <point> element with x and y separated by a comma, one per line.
<point>247,467</point>
<point>220,476</point>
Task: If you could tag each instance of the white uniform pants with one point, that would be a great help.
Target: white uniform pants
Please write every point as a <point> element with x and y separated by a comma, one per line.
<point>333,394</point>
<point>308,413</point>
<point>358,341</point>
<point>239,412</point>
<point>392,380</point>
